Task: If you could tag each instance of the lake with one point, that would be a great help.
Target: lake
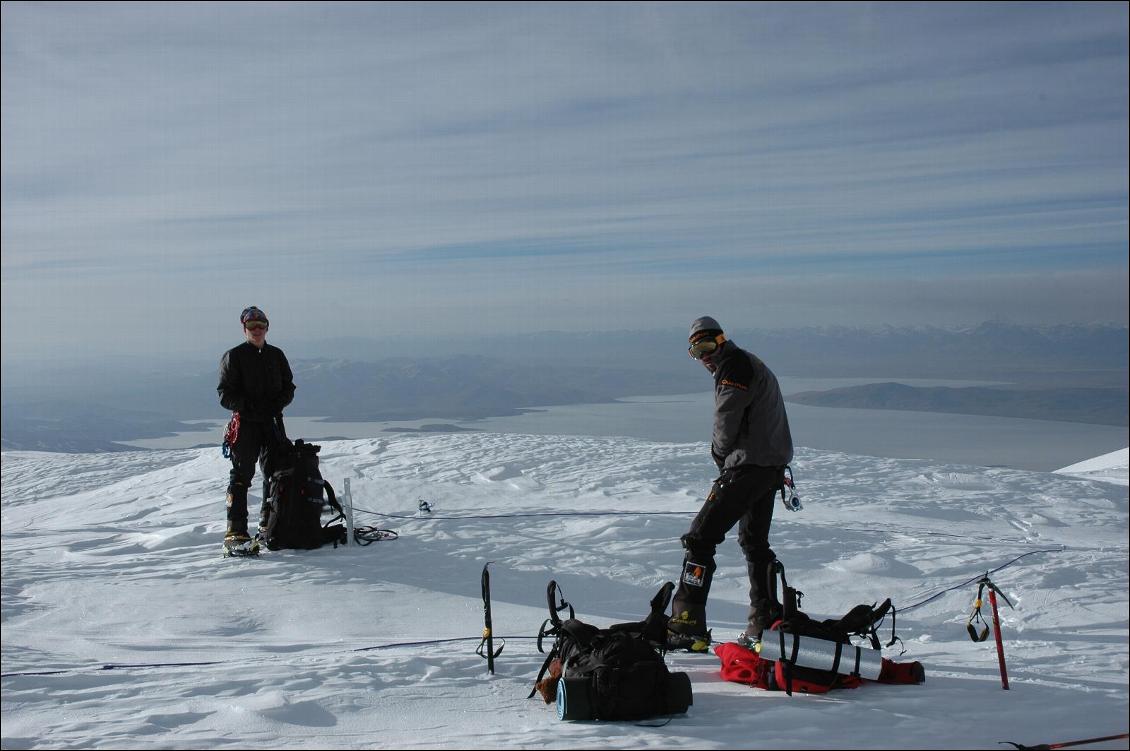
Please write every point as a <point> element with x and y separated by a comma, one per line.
<point>1040,445</point>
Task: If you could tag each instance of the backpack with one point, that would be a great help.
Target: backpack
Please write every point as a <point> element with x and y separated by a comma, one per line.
<point>614,673</point>
<point>814,657</point>
<point>292,514</point>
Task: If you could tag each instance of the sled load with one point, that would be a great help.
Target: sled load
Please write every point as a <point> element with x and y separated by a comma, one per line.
<point>804,655</point>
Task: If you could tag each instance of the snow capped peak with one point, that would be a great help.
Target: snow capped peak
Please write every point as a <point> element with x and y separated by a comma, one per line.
<point>1112,467</point>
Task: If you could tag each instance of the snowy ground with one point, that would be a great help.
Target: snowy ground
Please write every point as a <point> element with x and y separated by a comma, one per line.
<point>112,582</point>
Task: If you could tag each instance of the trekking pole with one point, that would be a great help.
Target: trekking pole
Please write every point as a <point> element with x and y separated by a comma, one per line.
<point>1067,744</point>
<point>486,646</point>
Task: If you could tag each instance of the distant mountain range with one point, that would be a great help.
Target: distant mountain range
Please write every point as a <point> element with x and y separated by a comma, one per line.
<point>1089,405</point>
<point>88,405</point>
<point>80,427</point>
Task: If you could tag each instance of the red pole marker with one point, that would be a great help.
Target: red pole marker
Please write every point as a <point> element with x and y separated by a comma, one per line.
<point>997,631</point>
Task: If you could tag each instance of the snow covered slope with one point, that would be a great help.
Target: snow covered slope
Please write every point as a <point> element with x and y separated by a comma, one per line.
<point>1113,467</point>
<point>123,627</point>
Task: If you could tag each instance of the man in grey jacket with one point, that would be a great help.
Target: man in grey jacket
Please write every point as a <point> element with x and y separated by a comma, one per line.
<point>751,445</point>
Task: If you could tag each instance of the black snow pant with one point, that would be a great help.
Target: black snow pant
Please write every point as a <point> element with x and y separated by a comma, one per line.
<point>743,496</point>
<point>258,441</point>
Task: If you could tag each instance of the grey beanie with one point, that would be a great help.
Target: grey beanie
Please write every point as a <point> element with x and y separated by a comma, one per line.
<point>706,323</point>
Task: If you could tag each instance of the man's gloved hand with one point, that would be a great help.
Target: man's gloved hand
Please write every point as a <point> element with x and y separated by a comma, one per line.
<point>719,460</point>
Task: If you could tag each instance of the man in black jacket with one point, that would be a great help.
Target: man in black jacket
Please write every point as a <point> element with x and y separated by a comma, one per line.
<point>751,445</point>
<point>256,383</point>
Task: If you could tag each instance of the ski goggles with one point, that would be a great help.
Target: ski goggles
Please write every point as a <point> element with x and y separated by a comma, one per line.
<point>255,326</point>
<point>705,346</point>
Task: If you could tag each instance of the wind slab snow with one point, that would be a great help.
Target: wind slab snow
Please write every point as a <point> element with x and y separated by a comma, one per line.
<point>113,561</point>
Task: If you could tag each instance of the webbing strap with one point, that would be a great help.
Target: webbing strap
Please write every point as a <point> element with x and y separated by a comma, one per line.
<point>836,660</point>
<point>544,668</point>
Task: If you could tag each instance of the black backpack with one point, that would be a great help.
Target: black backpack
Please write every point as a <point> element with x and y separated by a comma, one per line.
<point>615,673</point>
<point>292,514</point>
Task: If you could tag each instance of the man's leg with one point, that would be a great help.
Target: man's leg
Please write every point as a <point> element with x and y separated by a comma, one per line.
<point>271,458</point>
<point>753,536</point>
<point>726,504</point>
<point>243,458</point>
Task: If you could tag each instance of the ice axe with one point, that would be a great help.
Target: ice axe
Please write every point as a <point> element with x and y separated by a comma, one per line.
<point>486,648</point>
<point>983,633</point>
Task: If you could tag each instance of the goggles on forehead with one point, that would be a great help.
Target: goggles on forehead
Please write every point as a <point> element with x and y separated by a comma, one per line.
<point>708,345</point>
<point>252,313</point>
<point>255,325</point>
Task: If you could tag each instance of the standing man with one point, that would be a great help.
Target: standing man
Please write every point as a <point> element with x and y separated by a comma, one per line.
<point>256,384</point>
<point>751,446</point>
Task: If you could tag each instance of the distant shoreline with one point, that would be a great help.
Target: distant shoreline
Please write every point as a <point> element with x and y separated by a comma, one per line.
<point>1090,406</point>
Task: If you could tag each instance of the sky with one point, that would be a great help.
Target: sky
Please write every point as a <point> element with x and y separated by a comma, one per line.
<point>454,169</point>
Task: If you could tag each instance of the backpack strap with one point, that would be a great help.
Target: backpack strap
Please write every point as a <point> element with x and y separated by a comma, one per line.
<point>331,498</point>
<point>786,663</point>
<point>557,604</point>
<point>790,602</point>
<point>544,667</point>
<point>654,627</point>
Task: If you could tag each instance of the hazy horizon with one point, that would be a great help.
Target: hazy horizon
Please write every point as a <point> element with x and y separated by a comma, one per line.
<point>402,169</point>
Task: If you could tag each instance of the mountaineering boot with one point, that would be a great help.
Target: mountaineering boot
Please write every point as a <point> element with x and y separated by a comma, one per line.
<point>686,630</point>
<point>764,608</point>
<point>237,541</point>
<point>748,641</point>
<point>240,546</point>
<point>699,644</point>
<point>762,615</point>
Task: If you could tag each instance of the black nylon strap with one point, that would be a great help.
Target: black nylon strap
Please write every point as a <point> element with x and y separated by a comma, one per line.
<point>796,647</point>
<point>541,673</point>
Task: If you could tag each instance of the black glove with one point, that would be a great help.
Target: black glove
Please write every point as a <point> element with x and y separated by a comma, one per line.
<point>719,460</point>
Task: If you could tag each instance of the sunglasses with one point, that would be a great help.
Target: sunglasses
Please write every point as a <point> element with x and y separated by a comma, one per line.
<point>705,346</point>
<point>255,326</point>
